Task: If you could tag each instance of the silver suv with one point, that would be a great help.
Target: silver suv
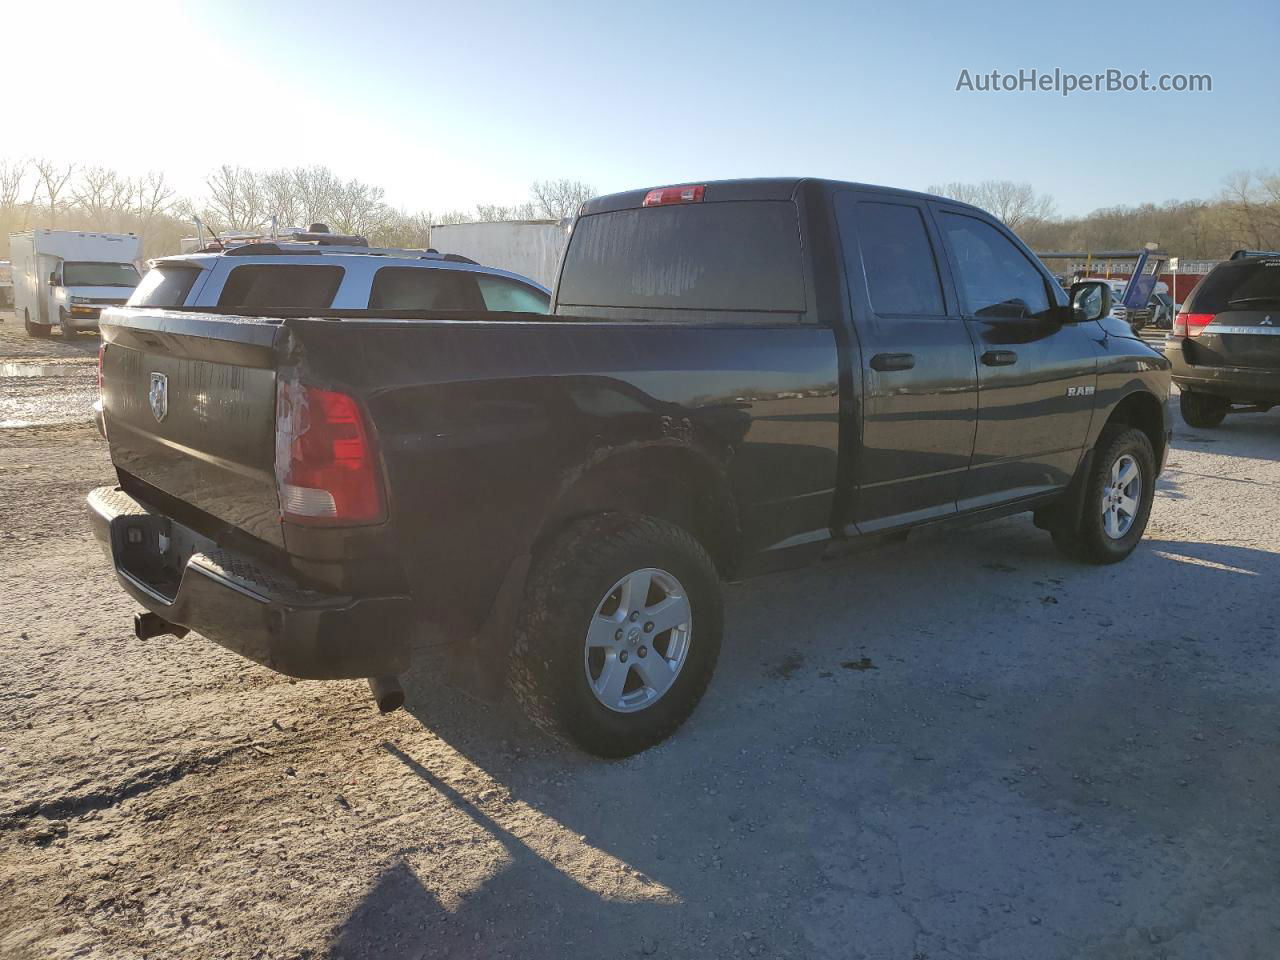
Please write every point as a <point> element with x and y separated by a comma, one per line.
<point>291,275</point>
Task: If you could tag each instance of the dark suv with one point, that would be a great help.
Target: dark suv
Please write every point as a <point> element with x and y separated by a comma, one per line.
<point>1225,343</point>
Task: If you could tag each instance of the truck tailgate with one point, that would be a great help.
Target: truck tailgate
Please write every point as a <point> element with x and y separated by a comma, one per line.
<point>189,407</point>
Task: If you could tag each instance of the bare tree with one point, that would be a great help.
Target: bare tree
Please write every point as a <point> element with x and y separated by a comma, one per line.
<point>53,179</point>
<point>13,174</point>
<point>1015,204</point>
<point>235,199</point>
<point>103,196</point>
<point>557,199</point>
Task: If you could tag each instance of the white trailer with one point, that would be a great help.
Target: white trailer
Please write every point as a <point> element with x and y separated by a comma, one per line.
<point>531,248</point>
<point>67,277</point>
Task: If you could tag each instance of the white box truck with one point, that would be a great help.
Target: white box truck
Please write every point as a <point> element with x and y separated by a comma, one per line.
<point>531,248</point>
<point>67,277</point>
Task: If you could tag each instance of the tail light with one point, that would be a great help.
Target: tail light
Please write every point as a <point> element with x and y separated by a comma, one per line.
<point>326,466</point>
<point>102,349</point>
<point>663,196</point>
<point>1191,324</point>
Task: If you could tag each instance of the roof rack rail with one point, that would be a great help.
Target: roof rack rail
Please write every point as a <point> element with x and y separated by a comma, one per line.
<point>1244,254</point>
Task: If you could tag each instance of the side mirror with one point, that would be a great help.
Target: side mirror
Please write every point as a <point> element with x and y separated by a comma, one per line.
<point>53,279</point>
<point>1090,300</point>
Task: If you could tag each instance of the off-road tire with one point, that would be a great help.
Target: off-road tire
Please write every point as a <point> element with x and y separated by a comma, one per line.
<point>1202,409</point>
<point>1088,541</point>
<point>568,580</point>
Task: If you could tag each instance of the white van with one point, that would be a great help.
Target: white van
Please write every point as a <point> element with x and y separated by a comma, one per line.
<point>67,277</point>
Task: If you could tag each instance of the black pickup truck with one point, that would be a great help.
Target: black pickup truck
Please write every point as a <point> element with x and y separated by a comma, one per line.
<point>735,377</point>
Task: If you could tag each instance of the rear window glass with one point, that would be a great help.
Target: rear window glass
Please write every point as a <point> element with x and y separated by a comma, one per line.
<point>280,285</point>
<point>700,256</point>
<point>424,288</point>
<point>1239,285</point>
<point>897,256</point>
<point>165,286</point>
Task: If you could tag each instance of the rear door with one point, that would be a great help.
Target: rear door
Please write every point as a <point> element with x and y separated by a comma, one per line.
<point>1243,299</point>
<point>1036,375</point>
<point>919,377</point>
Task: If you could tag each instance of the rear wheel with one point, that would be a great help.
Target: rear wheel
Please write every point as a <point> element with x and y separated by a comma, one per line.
<point>1117,499</point>
<point>34,329</point>
<point>1202,409</point>
<point>619,634</point>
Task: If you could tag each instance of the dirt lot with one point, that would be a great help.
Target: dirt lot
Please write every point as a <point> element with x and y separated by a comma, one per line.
<point>959,747</point>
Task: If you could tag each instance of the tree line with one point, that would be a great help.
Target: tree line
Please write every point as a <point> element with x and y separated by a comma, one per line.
<point>1245,213</point>
<point>42,193</point>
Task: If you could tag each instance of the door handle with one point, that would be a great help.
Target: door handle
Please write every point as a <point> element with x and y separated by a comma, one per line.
<point>885,362</point>
<point>999,358</point>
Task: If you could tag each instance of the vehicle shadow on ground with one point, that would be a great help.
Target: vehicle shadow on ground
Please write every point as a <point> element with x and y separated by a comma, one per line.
<point>401,918</point>
<point>881,788</point>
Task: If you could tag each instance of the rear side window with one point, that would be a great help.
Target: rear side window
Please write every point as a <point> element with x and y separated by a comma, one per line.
<point>507,295</point>
<point>424,288</point>
<point>281,285</point>
<point>164,286</point>
<point>996,279</point>
<point>1239,285</point>
<point>897,256</point>
<point>742,256</point>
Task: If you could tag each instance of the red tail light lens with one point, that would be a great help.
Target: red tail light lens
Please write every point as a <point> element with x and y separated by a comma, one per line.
<point>326,467</point>
<point>663,196</point>
<point>1191,324</point>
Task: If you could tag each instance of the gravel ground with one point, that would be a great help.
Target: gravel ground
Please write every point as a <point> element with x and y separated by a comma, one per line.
<point>958,747</point>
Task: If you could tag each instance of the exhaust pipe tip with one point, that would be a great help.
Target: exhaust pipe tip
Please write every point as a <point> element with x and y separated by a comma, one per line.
<point>387,693</point>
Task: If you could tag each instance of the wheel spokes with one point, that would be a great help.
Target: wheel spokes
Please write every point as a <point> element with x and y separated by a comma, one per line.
<point>612,681</point>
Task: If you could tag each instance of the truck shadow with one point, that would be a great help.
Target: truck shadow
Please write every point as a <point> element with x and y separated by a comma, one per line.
<point>400,917</point>
<point>855,764</point>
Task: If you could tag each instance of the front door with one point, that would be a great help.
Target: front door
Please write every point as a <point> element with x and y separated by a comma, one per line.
<point>919,382</point>
<point>1036,374</point>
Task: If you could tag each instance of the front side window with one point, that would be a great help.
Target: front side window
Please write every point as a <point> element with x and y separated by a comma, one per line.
<point>281,286</point>
<point>99,274</point>
<point>424,288</point>
<point>996,280</point>
<point>897,257</point>
<point>509,296</point>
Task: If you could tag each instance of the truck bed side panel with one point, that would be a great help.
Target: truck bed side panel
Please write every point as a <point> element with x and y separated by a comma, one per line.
<point>483,426</point>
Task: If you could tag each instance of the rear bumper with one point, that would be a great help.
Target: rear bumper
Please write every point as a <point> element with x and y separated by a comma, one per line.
<point>1241,384</point>
<point>258,612</point>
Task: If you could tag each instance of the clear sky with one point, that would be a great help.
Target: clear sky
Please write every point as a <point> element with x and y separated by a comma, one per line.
<point>447,104</point>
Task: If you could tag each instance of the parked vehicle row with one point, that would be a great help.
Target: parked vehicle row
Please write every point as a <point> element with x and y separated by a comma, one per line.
<point>735,377</point>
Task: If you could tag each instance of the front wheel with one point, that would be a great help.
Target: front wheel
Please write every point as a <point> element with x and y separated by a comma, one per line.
<point>619,633</point>
<point>1117,500</point>
<point>38,330</point>
<point>68,332</point>
<point>1202,409</point>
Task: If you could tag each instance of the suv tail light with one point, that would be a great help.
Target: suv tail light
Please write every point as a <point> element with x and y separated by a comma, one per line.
<point>1191,324</point>
<point>326,467</point>
<point>666,195</point>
